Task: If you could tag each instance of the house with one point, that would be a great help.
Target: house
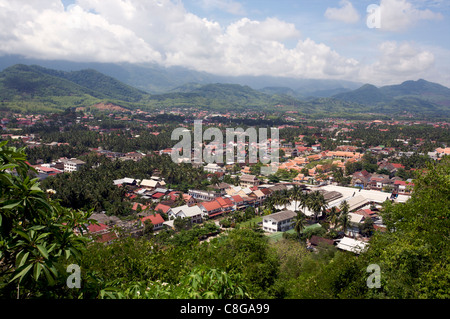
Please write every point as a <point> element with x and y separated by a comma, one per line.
<point>138,205</point>
<point>134,156</point>
<point>350,244</point>
<point>249,181</point>
<point>367,213</point>
<point>391,167</point>
<point>47,170</point>
<point>402,187</point>
<point>73,165</point>
<point>164,208</point>
<point>150,184</point>
<point>211,209</point>
<point>194,213</point>
<point>259,195</point>
<point>213,168</point>
<point>361,178</point>
<point>379,181</point>
<point>190,201</point>
<point>155,219</point>
<point>281,221</point>
<point>204,195</point>
<point>316,147</point>
<point>355,221</point>
<point>226,203</point>
<point>126,180</point>
<point>238,202</point>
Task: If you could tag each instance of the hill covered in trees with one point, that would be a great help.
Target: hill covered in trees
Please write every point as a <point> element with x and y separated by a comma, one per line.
<point>418,96</point>
<point>37,89</point>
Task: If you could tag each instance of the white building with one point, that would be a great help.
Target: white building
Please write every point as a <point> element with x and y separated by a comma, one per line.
<point>281,221</point>
<point>73,165</point>
<point>194,213</point>
<point>350,244</point>
<point>213,168</point>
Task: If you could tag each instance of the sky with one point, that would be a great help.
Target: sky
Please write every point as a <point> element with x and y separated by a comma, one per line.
<point>371,41</point>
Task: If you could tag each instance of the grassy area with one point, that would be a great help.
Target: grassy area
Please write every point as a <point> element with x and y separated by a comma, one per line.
<point>274,237</point>
<point>250,222</point>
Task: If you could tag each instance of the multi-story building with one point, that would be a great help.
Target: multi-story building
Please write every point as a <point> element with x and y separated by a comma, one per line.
<point>279,222</point>
<point>73,165</point>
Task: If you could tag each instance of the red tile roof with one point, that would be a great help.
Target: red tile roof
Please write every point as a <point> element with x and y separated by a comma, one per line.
<point>103,238</point>
<point>224,202</point>
<point>210,206</point>
<point>135,206</point>
<point>162,207</point>
<point>97,228</point>
<point>237,199</point>
<point>155,219</point>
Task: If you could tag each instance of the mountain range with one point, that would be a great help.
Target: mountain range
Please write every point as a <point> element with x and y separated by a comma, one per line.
<point>35,87</point>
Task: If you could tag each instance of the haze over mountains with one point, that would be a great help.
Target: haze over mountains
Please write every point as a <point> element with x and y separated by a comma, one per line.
<point>46,82</point>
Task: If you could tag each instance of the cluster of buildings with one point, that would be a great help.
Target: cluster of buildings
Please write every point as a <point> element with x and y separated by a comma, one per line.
<point>62,165</point>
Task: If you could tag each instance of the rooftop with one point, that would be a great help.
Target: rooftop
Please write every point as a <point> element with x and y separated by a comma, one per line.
<point>283,215</point>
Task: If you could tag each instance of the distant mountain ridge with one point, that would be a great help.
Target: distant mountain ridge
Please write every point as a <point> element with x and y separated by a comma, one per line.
<point>421,89</point>
<point>36,80</point>
<point>156,79</point>
<point>33,87</point>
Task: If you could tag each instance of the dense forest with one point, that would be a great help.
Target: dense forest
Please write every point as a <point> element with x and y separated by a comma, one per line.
<point>38,243</point>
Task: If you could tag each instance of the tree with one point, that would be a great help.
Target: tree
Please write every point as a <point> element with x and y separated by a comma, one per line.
<point>181,223</point>
<point>299,223</point>
<point>37,236</point>
<point>296,195</point>
<point>317,203</point>
<point>333,216</point>
<point>414,252</point>
<point>344,220</point>
<point>367,228</point>
<point>148,227</point>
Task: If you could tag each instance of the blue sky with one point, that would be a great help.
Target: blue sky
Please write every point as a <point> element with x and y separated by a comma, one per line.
<point>293,38</point>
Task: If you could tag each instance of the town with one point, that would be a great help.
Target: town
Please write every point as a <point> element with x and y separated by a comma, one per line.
<point>331,170</point>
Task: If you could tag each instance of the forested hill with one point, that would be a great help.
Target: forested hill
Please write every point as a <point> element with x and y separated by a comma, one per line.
<point>35,81</point>
<point>419,95</point>
<point>33,88</point>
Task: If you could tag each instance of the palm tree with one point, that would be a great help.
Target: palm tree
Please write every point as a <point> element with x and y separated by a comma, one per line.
<point>296,194</point>
<point>344,221</point>
<point>276,198</point>
<point>304,201</point>
<point>333,215</point>
<point>284,199</point>
<point>269,204</point>
<point>299,223</point>
<point>317,203</point>
<point>345,207</point>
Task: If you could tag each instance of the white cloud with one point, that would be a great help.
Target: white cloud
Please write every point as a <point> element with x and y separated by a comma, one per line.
<point>399,15</point>
<point>346,13</point>
<point>397,62</point>
<point>43,29</point>
<point>163,31</point>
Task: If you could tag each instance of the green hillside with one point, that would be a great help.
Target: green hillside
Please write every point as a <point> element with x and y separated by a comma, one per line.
<point>418,97</point>
<point>37,89</point>
<point>222,97</point>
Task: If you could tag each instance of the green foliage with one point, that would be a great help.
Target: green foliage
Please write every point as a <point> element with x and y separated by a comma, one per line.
<point>36,233</point>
